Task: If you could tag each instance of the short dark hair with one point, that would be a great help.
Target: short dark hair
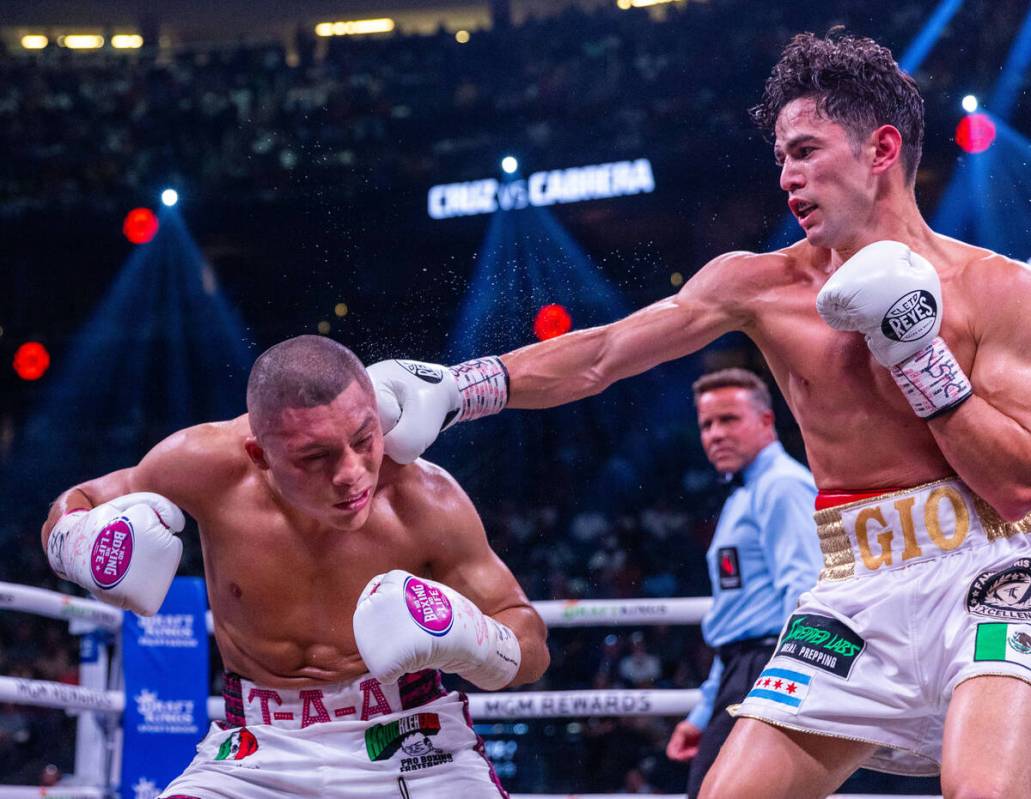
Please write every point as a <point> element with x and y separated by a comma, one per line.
<point>301,372</point>
<point>855,82</point>
<point>735,378</point>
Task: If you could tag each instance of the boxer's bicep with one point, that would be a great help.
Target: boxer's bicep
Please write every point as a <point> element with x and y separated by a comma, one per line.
<point>987,439</point>
<point>466,562</point>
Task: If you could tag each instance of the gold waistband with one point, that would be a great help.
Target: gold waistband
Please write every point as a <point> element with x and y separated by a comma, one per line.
<point>839,559</point>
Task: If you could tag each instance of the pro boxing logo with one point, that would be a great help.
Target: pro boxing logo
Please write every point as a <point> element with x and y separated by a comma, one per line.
<point>430,374</point>
<point>1004,594</point>
<point>112,553</point>
<point>410,733</point>
<point>428,606</point>
<point>912,316</point>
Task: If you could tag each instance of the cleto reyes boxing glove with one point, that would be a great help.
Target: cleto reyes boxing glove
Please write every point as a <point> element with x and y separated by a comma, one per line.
<point>893,297</point>
<point>417,400</point>
<point>123,551</point>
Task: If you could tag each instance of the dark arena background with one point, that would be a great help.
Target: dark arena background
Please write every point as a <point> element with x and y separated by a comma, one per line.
<point>185,183</point>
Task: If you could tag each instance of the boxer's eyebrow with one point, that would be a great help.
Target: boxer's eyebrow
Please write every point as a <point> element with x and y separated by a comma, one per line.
<point>364,427</point>
<point>797,141</point>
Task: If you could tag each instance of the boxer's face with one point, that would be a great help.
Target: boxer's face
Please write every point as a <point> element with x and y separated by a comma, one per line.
<point>734,429</point>
<point>830,185</point>
<point>326,460</point>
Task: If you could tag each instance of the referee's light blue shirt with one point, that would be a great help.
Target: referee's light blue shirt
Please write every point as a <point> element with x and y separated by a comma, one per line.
<point>764,554</point>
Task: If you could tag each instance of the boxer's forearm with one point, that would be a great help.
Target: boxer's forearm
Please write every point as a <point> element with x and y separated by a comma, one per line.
<point>533,642</point>
<point>71,499</point>
<point>585,362</point>
<point>991,452</point>
<point>87,495</point>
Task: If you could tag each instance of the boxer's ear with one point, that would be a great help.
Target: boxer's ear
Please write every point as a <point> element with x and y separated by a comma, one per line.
<point>255,452</point>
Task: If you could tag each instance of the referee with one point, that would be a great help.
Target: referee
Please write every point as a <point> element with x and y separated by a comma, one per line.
<point>763,556</point>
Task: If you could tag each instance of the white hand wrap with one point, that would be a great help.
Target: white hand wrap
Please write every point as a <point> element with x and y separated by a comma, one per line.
<point>932,380</point>
<point>419,400</point>
<point>483,384</point>
<point>404,623</point>
<point>122,551</point>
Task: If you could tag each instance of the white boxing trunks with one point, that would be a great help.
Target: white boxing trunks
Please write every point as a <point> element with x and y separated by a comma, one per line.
<point>357,740</point>
<point>921,590</point>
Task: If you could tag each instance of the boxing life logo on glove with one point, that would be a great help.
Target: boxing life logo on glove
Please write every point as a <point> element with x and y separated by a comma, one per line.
<point>910,317</point>
<point>422,371</point>
<point>428,607</point>
<point>112,553</point>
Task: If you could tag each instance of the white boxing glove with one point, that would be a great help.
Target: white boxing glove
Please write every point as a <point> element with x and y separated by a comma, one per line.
<point>123,551</point>
<point>419,400</point>
<point>404,623</point>
<point>893,297</point>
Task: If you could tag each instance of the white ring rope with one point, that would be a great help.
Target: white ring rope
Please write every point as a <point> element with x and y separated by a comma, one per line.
<point>59,606</point>
<point>555,612</point>
<point>58,792</point>
<point>486,706</point>
<point>71,792</point>
<point>43,693</point>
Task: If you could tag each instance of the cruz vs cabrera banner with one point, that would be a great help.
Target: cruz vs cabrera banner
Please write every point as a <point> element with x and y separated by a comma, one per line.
<point>165,659</point>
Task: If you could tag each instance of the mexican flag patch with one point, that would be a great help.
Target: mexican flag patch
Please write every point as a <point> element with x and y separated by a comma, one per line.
<point>237,746</point>
<point>1006,642</point>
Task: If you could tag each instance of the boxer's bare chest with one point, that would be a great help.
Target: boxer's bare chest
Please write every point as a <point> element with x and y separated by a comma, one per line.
<point>858,428</point>
<point>283,600</point>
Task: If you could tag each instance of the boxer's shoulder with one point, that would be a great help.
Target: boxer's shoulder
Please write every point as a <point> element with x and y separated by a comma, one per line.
<point>799,263</point>
<point>423,495</point>
<point>196,462</point>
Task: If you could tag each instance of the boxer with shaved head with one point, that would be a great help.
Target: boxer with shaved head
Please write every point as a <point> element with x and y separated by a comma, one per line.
<point>340,583</point>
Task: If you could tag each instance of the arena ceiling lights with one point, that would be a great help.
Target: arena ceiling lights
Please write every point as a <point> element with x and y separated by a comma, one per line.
<point>355,27</point>
<point>82,41</point>
<point>626,5</point>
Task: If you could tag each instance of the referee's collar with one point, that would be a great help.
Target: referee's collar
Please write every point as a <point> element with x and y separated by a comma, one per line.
<point>761,462</point>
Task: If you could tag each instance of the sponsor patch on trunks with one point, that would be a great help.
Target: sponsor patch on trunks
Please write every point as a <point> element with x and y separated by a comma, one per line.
<point>999,641</point>
<point>1003,594</point>
<point>821,641</point>
<point>786,688</point>
<point>410,733</point>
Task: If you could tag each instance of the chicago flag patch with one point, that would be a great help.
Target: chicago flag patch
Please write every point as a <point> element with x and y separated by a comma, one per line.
<point>786,688</point>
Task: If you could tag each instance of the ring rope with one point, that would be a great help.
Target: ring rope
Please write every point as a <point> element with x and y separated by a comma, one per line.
<point>486,706</point>
<point>554,612</point>
<point>55,605</point>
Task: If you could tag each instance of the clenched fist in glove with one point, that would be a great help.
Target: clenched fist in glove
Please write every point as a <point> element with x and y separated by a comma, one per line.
<point>893,297</point>
<point>405,623</point>
<point>123,551</point>
<point>419,400</point>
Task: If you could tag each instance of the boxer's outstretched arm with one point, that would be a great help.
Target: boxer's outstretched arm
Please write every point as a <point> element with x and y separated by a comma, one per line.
<point>465,561</point>
<point>585,362</point>
<point>987,440</point>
